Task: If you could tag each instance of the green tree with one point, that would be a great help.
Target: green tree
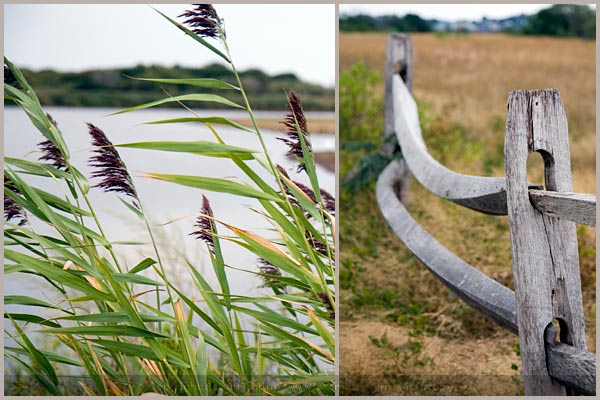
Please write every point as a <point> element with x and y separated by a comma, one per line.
<point>357,23</point>
<point>567,20</point>
<point>414,23</point>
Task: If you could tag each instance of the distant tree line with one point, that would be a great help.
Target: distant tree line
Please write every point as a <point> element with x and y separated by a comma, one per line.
<point>386,23</point>
<point>564,20</point>
<point>115,88</point>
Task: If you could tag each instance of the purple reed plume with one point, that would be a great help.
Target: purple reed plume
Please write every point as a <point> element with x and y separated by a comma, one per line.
<point>109,166</point>
<point>296,115</point>
<point>204,223</point>
<point>49,150</point>
<point>204,21</point>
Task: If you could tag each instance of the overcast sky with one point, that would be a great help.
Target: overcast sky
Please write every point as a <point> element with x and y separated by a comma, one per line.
<point>72,37</point>
<point>448,12</point>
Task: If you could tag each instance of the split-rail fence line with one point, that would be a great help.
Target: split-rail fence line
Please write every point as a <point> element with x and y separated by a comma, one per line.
<point>546,309</point>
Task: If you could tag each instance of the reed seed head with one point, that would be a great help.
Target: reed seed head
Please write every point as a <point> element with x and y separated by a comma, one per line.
<point>325,300</point>
<point>204,21</point>
<point>270,272</point>
<point>11,209</point>
<point>204,223</point>
<point>282,171</point>
<point>49,150</point>
<point>328,201</point>
<point>296,124</point>
<point>110,166</point>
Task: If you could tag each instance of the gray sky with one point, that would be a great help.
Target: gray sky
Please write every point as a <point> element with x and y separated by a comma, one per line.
<point>449,12</point>
<point>73,37</point>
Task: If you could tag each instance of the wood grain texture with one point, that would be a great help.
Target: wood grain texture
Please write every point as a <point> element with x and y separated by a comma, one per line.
<point>398,61</point>
<point>576,207</point>
<point>484,194</point>
<point>544,249</point>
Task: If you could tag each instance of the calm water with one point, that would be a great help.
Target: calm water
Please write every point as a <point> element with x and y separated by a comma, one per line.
<point>162,201</point>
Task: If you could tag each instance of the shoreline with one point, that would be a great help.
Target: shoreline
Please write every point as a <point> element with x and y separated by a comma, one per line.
<point>315,125</point>
<point>326,159</point>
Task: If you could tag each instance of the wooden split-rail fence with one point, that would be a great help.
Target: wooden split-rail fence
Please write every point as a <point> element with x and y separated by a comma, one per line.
<point>545,309</point>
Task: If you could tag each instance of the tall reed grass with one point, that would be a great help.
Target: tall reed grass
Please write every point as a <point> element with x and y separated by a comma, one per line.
<point>106,324</point>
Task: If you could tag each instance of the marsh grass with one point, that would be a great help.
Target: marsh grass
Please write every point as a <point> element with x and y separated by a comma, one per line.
<point>127,333</point>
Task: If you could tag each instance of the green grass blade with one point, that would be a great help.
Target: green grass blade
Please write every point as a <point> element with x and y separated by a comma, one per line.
<point>185,341</point>
<point>36,168</point>
<point>137,350</point>
<point>133,209</point>
<point>241,339</point>
<point>276,318</point>
<point>298,341</point>
<point>206,120</point>
<point>199,147</point>
<point>203,97</point>
<point>142,265</point>
<point>31,318</point>
<point>202,368</point>
<point>324,332</point>
<point>138,279</point>
<point>105,330</point>
<point>214,185</point>
<point>29,301</point>
<point>61,204</point>
<point>116,317</point>
<point>49,355</point>
<point>58,275</point>
<point>210,321</point>
<point>209,83</point>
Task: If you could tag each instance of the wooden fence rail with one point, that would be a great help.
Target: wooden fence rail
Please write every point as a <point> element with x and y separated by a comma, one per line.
<point>542,225</point>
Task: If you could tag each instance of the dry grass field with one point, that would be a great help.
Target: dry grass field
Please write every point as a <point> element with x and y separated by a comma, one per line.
<point>402,332</point>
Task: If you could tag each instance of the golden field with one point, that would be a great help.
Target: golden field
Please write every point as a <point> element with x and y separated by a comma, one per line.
<point>402,332</point>
<point>470,76</point>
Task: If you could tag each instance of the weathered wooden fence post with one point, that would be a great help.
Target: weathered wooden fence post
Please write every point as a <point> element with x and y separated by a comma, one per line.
<point>398,60</point>
<point>544,248</point>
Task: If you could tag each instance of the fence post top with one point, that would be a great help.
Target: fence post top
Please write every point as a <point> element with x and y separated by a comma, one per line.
<point>398,35</point>
<point>545,93</point>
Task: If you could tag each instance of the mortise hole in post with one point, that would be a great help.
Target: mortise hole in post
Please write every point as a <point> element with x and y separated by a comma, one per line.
<point>403,71</point>
<point>562,334</point>
<point>535,168</point>
<point>549,180</point>
<point>557,327</point>
<point>540,168</point>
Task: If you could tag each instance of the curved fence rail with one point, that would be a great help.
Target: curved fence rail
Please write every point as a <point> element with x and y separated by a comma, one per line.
<point>543,240</point>
<point>483,194</point>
